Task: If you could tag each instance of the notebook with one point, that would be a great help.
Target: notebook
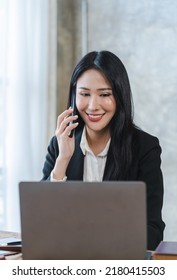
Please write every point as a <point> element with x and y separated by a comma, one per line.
<point>83,220</point>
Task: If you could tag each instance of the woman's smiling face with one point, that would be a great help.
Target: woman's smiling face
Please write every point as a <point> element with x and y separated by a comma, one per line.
<point>95,101</point>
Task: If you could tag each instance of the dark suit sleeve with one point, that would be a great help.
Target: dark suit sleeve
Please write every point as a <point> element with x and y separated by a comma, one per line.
<point>150,172</point>
<point>52,154</point>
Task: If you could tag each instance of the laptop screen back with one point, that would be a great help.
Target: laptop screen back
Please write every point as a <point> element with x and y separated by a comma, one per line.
<point>79,220</point>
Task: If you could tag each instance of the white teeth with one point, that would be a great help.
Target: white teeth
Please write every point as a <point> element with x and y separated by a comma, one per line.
<point>95,117</point>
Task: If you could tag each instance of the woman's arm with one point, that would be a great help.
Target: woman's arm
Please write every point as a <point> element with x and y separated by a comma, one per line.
<point>61,147</point>
<point>150,172</point>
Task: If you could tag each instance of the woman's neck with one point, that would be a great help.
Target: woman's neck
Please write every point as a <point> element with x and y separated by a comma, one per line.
<point>97,140</point>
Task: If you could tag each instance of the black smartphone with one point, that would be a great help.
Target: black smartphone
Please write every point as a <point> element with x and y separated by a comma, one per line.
<point>73,105</point>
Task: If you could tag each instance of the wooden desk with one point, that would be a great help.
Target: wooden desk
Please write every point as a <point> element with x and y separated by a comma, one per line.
<point>6,234</point>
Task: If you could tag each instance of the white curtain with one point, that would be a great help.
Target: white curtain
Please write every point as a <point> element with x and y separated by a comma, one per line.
<point>25,98</point>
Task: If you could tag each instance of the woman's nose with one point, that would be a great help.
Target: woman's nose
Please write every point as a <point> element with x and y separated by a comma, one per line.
<point>93,103</point>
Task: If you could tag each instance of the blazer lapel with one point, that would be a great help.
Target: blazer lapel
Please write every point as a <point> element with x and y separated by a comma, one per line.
<point>76,164</point>
<point>108,166</point>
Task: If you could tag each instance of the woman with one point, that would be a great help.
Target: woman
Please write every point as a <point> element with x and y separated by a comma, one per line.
<point>106,144</point>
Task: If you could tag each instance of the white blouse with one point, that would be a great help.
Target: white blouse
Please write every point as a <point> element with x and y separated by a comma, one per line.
<point>93,165</point>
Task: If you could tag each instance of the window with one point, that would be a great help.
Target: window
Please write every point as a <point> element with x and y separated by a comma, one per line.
<point>25,57</point>
<point>1,112</point>
<point>1,165</point>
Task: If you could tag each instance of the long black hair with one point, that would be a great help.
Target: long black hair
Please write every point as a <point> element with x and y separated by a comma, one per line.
<point>121,125</point>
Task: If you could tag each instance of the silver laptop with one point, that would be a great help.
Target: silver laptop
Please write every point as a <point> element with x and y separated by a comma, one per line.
<point>83,221</point>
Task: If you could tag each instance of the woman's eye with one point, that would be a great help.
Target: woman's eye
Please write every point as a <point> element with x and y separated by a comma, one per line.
<point>105,94</point>
<point>85,93</point>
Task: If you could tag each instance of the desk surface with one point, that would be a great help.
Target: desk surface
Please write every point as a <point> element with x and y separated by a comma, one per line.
<point>6,234</point>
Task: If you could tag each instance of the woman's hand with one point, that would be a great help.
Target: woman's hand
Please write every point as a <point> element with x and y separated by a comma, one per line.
<point>66,144</point>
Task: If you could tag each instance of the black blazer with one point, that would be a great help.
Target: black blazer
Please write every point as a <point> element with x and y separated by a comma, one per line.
<point>145,167</point>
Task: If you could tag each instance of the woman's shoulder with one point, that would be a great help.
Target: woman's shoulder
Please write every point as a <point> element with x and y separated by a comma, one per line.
<point>53,142</point>
<point>144,141</point>
<point>143,135</point>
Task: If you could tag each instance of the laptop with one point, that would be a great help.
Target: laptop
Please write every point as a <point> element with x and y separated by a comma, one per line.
<point>83,220</point>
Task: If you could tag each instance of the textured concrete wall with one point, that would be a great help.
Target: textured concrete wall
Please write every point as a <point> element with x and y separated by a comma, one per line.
<point>68,46</point>
<point>144,35</point>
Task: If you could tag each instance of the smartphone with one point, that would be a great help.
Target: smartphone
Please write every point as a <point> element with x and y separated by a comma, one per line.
<point>73,105</point>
